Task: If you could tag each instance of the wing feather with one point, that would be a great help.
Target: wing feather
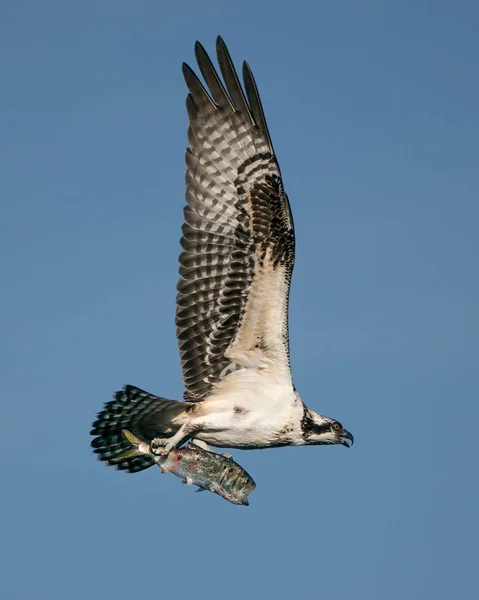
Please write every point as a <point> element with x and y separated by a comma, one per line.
<point>231,79</point>
<point>255,103</point>
<point>211,78</point>
<point>238,237</point>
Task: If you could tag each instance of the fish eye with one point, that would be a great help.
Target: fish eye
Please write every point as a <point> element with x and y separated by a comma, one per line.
<point>336,426</point>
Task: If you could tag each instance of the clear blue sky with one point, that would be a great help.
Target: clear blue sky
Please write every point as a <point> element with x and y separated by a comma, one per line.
<point>373,109</point>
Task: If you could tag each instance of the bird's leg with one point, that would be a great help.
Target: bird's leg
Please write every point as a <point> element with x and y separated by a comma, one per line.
<point>162,446</point>
<point>157,445</point>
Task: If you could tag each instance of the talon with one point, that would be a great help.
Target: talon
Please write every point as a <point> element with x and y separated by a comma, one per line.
<point>157,446</point>
<point>166,449</point>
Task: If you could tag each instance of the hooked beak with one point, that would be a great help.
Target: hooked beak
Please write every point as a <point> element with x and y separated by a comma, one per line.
<point>349,436</point>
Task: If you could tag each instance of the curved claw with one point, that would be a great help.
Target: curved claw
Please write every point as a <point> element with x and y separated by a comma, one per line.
<point>158,445</point>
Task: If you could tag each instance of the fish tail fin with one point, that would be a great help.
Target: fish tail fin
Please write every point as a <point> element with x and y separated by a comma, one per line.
<point>131,437</point>
<point>138,448</point>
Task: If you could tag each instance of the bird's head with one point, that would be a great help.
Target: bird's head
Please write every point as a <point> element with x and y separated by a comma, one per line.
<point>320,430</point>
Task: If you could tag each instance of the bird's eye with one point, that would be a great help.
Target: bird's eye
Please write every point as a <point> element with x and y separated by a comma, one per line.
<point>336,426</point>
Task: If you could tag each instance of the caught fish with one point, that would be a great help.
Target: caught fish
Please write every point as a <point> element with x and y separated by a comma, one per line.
<point>213,472</point>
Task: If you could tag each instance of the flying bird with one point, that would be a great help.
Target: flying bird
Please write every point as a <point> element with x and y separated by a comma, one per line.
<point>238,249</point>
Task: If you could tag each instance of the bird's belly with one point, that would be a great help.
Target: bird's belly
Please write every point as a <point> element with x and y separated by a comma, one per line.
<point>239,438</point>
<point>249,427</point>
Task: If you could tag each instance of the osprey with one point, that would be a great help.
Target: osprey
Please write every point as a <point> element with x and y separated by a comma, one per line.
<point>232,306</point>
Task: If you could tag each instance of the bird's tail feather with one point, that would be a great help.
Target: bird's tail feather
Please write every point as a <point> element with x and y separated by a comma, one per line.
<point>139,412</point>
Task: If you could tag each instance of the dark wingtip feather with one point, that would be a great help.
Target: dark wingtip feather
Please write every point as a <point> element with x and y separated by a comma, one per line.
<point>197,90</point>
<point>214,83</point>
<point>186,69</point>
<point>231,79</point>
<point>191,107</point>
<point>255,102</point>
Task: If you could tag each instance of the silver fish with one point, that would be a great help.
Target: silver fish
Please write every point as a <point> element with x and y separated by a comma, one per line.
<point>213,472</point>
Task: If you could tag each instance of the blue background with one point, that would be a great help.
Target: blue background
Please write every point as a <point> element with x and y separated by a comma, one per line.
<point>373,109</point>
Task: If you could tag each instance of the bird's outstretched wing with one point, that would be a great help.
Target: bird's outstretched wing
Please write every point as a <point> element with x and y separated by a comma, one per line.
<point>238,235</point>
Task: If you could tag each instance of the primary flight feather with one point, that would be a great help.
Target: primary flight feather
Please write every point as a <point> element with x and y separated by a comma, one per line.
<point>232,305</point>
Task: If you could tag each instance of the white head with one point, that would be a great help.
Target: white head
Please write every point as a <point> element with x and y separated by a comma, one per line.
<point>319,430</point>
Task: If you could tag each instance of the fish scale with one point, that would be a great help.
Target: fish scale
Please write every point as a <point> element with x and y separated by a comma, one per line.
<point>212,472</point>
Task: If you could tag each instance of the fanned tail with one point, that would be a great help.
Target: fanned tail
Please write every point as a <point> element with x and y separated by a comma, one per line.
<point>144,415</point>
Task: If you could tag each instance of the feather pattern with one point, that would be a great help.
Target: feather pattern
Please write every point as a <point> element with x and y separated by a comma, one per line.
<point>144,414</point>
<point>238,235</point>
<point>235,273</point>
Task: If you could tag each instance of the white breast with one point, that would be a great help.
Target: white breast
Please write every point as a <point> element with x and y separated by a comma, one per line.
<point>251,409</point>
